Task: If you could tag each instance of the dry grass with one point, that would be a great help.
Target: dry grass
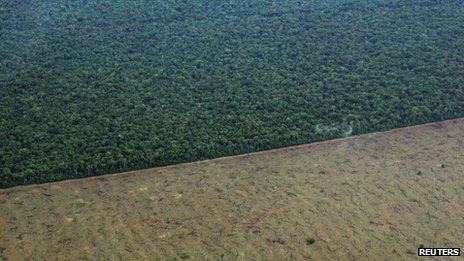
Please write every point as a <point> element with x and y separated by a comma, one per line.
<point>376,196</point>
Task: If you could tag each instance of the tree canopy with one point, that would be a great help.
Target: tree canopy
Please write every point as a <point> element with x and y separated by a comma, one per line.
<point>90,87</point>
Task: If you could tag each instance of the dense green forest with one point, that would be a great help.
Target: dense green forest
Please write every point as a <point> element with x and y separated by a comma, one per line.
<point>89,87</point>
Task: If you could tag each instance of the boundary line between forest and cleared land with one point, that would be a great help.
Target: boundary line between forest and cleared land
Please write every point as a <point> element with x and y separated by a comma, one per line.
<point>186,164</point>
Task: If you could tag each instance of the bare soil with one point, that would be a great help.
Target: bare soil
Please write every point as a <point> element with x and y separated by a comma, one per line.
<point>371,197</point>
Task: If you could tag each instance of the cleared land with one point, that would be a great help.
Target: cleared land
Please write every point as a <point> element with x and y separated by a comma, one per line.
<point>372,196</point>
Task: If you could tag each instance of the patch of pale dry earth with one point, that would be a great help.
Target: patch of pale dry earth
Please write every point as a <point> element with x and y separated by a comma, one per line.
<point>371,197</point>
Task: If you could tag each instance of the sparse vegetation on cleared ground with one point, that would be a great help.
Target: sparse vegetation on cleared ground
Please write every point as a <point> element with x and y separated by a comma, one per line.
<point>356,198</point>
<point>89,87</point>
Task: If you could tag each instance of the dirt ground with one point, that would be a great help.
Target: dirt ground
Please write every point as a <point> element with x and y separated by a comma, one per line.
<point>372,197</point>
